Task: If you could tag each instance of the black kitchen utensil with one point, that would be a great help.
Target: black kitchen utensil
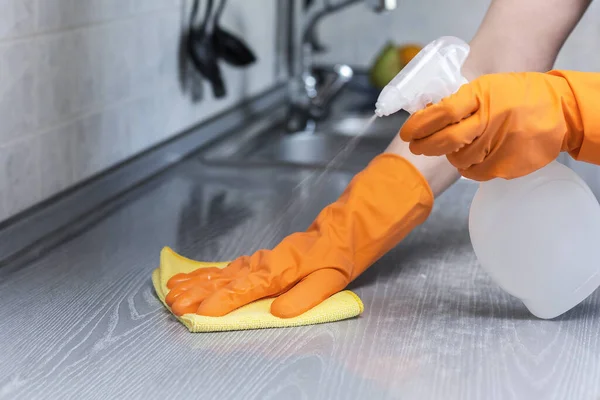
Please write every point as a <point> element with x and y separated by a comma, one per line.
<point>229,47</point>
<point>202,51</point>
<point>190,79</point>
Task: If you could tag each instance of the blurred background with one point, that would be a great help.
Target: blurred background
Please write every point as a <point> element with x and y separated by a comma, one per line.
<point>86,84</point>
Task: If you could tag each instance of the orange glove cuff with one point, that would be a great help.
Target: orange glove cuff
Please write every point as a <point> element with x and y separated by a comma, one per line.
<point>393,199</point>
<point>586,91</point>
<point>403,174</point>
<point>408,171</point>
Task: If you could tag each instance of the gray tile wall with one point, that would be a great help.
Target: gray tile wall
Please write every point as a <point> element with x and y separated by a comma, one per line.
<point>424,20</point>
<point>85,84</point>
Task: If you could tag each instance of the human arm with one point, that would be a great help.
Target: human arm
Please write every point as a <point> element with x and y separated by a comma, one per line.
<point>522,35</point>
<point>514,36</point>
<point>498,136</point>
<point>308,266</point>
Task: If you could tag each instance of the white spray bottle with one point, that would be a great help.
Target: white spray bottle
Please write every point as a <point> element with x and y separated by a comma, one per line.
<point>536,236</point>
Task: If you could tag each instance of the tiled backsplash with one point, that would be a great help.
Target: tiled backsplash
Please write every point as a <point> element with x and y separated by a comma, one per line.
<point>358,42</point>
<point>85,84</point>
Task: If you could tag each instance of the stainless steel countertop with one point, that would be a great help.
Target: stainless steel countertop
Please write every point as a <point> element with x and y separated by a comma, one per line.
<point>83,320</point>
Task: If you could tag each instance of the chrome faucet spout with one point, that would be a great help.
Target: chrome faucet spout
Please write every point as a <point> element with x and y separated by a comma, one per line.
<point>308,101</point>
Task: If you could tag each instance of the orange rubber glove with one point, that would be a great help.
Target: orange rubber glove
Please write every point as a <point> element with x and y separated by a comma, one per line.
<point>380,206</point>
<point>509,125</point>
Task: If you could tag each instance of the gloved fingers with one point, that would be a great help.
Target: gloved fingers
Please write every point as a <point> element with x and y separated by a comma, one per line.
<point>210,274</point>
<point>498,165</point>
<point>308,293</point>
<point>187,291</point>
<point>178,279</point>
<point>436,117</point>
<point>485,162</point>
<point>187,302</point>
<point>476,149</point>
<point>201,274</point>
<point>231,270</point>
<point>238,293</point>
<point>211,271</point>
<point>174,293</point>
<point>183,306</point>
<point>209,283</point>
<point>477,173</point>
<point>485,159</point>
<point>451,139</point>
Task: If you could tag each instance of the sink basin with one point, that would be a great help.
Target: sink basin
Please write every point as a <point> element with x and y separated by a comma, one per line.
<point>321,150</point>
<point>345,140</point>
<point>358,125</point>
<point>341,143</point>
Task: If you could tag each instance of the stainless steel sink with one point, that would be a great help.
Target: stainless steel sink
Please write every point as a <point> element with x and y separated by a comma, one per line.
<point>345,140</point>
<point>358,125</point>
<point>320,150</point>
<point>342,142</point>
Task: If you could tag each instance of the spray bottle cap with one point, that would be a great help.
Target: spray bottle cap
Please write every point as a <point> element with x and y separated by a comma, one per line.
<point>434,73</point>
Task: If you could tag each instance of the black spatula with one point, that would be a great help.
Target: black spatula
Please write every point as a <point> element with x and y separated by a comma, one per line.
<point>229,47</point>
<point>202,51</point>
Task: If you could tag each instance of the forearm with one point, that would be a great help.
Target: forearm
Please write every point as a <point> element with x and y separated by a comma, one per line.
<point>515,35</point>
<point>522,35</point>
<point>438,171</point>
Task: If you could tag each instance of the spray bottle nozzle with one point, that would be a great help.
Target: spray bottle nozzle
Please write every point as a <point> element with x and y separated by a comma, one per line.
<point>433,74</point>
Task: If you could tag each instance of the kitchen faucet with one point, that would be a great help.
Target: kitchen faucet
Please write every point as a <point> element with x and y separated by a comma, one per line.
<point>308,101</point>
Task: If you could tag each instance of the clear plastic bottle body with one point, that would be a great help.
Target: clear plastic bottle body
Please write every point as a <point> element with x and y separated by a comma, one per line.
<point>535,235</point>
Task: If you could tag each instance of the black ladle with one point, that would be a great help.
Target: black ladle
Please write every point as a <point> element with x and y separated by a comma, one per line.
<point>202,51</point>
<point>229,47</point>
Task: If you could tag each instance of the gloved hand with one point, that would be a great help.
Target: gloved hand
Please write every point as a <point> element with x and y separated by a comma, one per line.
<point>509,125</point>
<point>380,206</point>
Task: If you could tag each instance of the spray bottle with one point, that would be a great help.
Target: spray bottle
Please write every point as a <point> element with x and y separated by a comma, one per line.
<point>536,236</point>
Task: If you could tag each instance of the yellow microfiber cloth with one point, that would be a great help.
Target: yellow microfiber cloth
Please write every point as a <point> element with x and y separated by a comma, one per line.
<point>256,315</point>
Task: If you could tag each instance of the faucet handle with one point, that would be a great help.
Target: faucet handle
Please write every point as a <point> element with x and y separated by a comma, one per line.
<point>303,116</point>
<point>382,5</point>
<point>334,82</point>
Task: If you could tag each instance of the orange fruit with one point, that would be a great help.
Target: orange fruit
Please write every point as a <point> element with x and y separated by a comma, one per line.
<point>390,60</point>
<point>408,52</point>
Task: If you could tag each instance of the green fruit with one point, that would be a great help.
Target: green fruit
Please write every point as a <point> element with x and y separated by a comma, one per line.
<point>386,66</point>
